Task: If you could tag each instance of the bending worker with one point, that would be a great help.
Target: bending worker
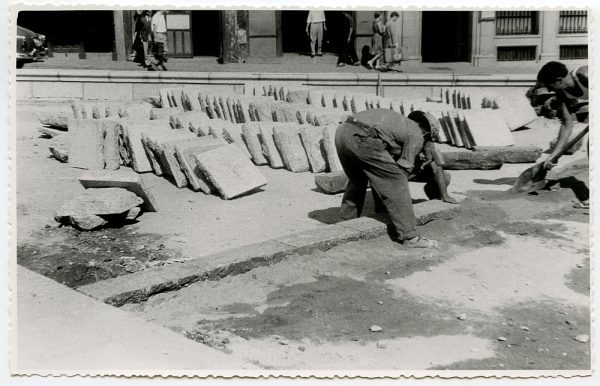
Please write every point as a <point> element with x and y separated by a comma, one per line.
<point>381,146</point>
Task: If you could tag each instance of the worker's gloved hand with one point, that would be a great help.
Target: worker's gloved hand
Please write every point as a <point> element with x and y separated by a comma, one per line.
<point>549,165</point>
<point>450,200</point>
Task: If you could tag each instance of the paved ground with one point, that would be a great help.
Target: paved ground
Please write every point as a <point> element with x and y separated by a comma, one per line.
<point>289,63</point>
<point>506,263</point>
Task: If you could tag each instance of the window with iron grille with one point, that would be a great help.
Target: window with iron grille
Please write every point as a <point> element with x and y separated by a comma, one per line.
<point>516,53</point>
<point>572,22</point>
<point>579,51</point>
<point>516,22</point>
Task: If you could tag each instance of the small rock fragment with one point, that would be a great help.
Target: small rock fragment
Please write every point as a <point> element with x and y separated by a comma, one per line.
<point>301,348</point>
<point>524,328</point>
<point>582,338</point>
<point>375,328</point>
<point>501,339</point>
<point>461,317</point>
<point>381,345</point>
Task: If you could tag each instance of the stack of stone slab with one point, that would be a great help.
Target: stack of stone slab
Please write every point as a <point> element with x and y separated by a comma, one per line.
<point>94,143</point>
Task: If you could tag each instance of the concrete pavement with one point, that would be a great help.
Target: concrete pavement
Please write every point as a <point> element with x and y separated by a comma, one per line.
<point>61,331</point>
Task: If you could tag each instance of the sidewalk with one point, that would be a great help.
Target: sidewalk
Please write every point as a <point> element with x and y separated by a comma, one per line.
<point>61,331</point>
<point>289,63</point>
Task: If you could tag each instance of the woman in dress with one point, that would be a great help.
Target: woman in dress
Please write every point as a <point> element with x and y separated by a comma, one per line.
<point>376,41</point>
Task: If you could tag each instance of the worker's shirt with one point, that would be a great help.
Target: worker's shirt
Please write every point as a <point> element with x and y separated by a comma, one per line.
<point>159,24</point>
<point>577,103</point>
<point>348,23</point>
<point>315,17</point>
<point>402,136</point>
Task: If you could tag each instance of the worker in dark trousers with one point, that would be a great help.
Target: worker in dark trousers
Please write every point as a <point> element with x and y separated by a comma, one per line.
<point>381,146</point>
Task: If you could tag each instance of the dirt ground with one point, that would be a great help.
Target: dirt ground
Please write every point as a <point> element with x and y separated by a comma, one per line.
<point>508,289</point>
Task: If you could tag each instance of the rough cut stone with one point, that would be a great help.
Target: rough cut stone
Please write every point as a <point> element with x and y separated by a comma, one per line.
<point>315,97</point>
<point>293,155</point>
<point>513,154</point>
<point>164,159</point>
<point>269,148</point>
<point>251,134</point>
<point>473,160</point>
<point>139,184</point>
<point>312,139</point>
<point>233,134</point>
<point>189,99</point>
<point>333,161</point>
<point>164,98</point>
<point>138,111</point>
<point>297,95</point>
<point>86,144</point>
<point>59,146</point>
<point>263,110</point>
<point>188,120</point>
<point>488,127</point>
<point>515,107</point>
<point>103,201</point>
<point>331,183</point>
<point>329,118</point>
<point>131,132</point>
<point>185,151</point>
<point>164,113</point>
<point>230,172</point>
<point>358,103</point>
<point>48,132</point>
<point>110,144</point>
<point>55,120</point>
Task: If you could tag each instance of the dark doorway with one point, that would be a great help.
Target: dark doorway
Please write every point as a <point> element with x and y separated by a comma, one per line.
<point>206,33</point>
<point>446,36</point>
<point>293,31</point>
<point>69,29</point>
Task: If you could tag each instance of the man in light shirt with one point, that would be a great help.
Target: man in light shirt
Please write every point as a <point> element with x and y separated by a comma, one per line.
<point>159,38</point>
<point>315,26</point>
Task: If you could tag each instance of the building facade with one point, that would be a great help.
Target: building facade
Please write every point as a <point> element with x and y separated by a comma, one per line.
<point>478,37</point>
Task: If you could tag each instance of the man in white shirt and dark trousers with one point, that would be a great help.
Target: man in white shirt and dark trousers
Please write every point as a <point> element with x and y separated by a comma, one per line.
<point>315,27</point>
<point>159,40</point>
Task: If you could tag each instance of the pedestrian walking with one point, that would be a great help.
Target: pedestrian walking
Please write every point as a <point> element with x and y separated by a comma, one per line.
<point>159,40</point>
<point>347,50</point>
<point>376,41</point>
<point>143,31</point>
<point>315,28</point>
<point>381,146</point>
<point>572,97</point>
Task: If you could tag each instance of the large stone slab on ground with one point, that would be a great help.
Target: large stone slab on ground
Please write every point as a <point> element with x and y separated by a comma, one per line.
<point>163,113</point>
<point>488,127</point>
<point>103,201</point>
<point>430,210</point>
<point>322,238</point>
<point>57,120</point>
<point>312,140</point>
<point>369,228</point>
<point>457,159</point>
<point>49,132</point>
<point>164,159</point>
<point>333,161</point>
<point>232,133</point>
<point>513,154</point>
<point>515,107</point>
<point>289,144</point>
<point>297,95</point>
<point>190,101</point>
<point>331,183</point>
<point>230,171</point>
<point>110,145</point>
<point>269,147</point>
<point>329,118</point>
<point>186,150</point>
<point>124,178</point>
<point>251,135</point>
<point>188,120</point>
<point>137,111</point>
<point>59,147</point>
<point>93,144</point>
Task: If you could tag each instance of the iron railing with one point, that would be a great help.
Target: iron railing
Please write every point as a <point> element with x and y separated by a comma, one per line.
<point>515,53</point>
<point>572,22</point>
<point>579,51</point>
<point>516,22</point>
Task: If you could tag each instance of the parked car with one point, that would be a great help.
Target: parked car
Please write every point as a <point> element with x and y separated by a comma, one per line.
<point>31,47</point>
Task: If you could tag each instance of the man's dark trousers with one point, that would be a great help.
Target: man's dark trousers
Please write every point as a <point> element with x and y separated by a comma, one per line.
<point>348,52</point>
<point>365,158</point>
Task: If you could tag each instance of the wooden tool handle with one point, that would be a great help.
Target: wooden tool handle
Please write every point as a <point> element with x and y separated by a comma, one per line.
<point>570,144</point>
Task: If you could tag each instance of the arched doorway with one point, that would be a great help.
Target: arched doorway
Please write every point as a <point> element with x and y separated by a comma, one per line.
<point>446,36</point>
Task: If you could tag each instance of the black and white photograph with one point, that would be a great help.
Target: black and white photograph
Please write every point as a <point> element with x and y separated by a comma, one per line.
<point>372,191</point>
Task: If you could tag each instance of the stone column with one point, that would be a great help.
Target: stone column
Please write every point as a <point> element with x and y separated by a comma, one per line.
<point>484,48</point>
<point>412,25</point>
<point>234,36</point>
<point>549,21</point>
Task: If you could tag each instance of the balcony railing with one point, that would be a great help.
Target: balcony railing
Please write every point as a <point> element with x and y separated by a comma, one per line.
<point>509,54</point>
<point>516,22</point>
<point>572,22</point>
<point>579,51</point>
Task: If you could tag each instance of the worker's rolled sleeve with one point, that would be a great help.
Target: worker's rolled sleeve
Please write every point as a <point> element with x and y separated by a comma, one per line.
<point>410,149</point>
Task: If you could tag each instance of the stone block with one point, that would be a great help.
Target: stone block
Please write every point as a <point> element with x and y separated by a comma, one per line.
<point>515,107</point>
<point>110,144</point>
<point>328,99</point>
<point>164,98</point>
<point>138,111</point>
<point>59,146</point>
<point>330,118</point>
<point>358,103</point>
<point>131,133</point>
<point>186,150</point>
<point>331,183</point>
<point>297,95</point>
<point>470,160</point>
<point>427,211</point>
<point>513,154</point>
<point>49,132</point>
<point>333,161</point>
<point>322,238</point>
<point>369,228</point>
<point>223,108</point>
<point>312,140</point>
<point>175,95</point>
<point>82,110</point>
<point>315,97</point>
<point>210,107</point>
<point>86,144</point>
<point>165,156</point>
<point>251,135</point>
<point>288,142</point>
<point>188,120</point>
<point>488,127</point>
<point>58,120</point>
<point>102,201</point>
<point>139,184</point>
<point>283,112</point>
<point>263,110</point>
<point>190,101</point>
<point>164,113</point>
<point>269,148</point>
<point>230,171</point>
<point>233,134</point>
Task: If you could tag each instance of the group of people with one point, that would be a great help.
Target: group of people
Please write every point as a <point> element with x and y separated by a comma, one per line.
<point>385,149</point>
<point>385,35</point>
<point>150,42</point>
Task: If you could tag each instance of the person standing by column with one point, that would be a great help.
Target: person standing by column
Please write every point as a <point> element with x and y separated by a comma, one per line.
<point>347,50</point>
<point>143,28</point>
<point>315,28</point>
<point>376,41</point>
<point>159,40</point>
